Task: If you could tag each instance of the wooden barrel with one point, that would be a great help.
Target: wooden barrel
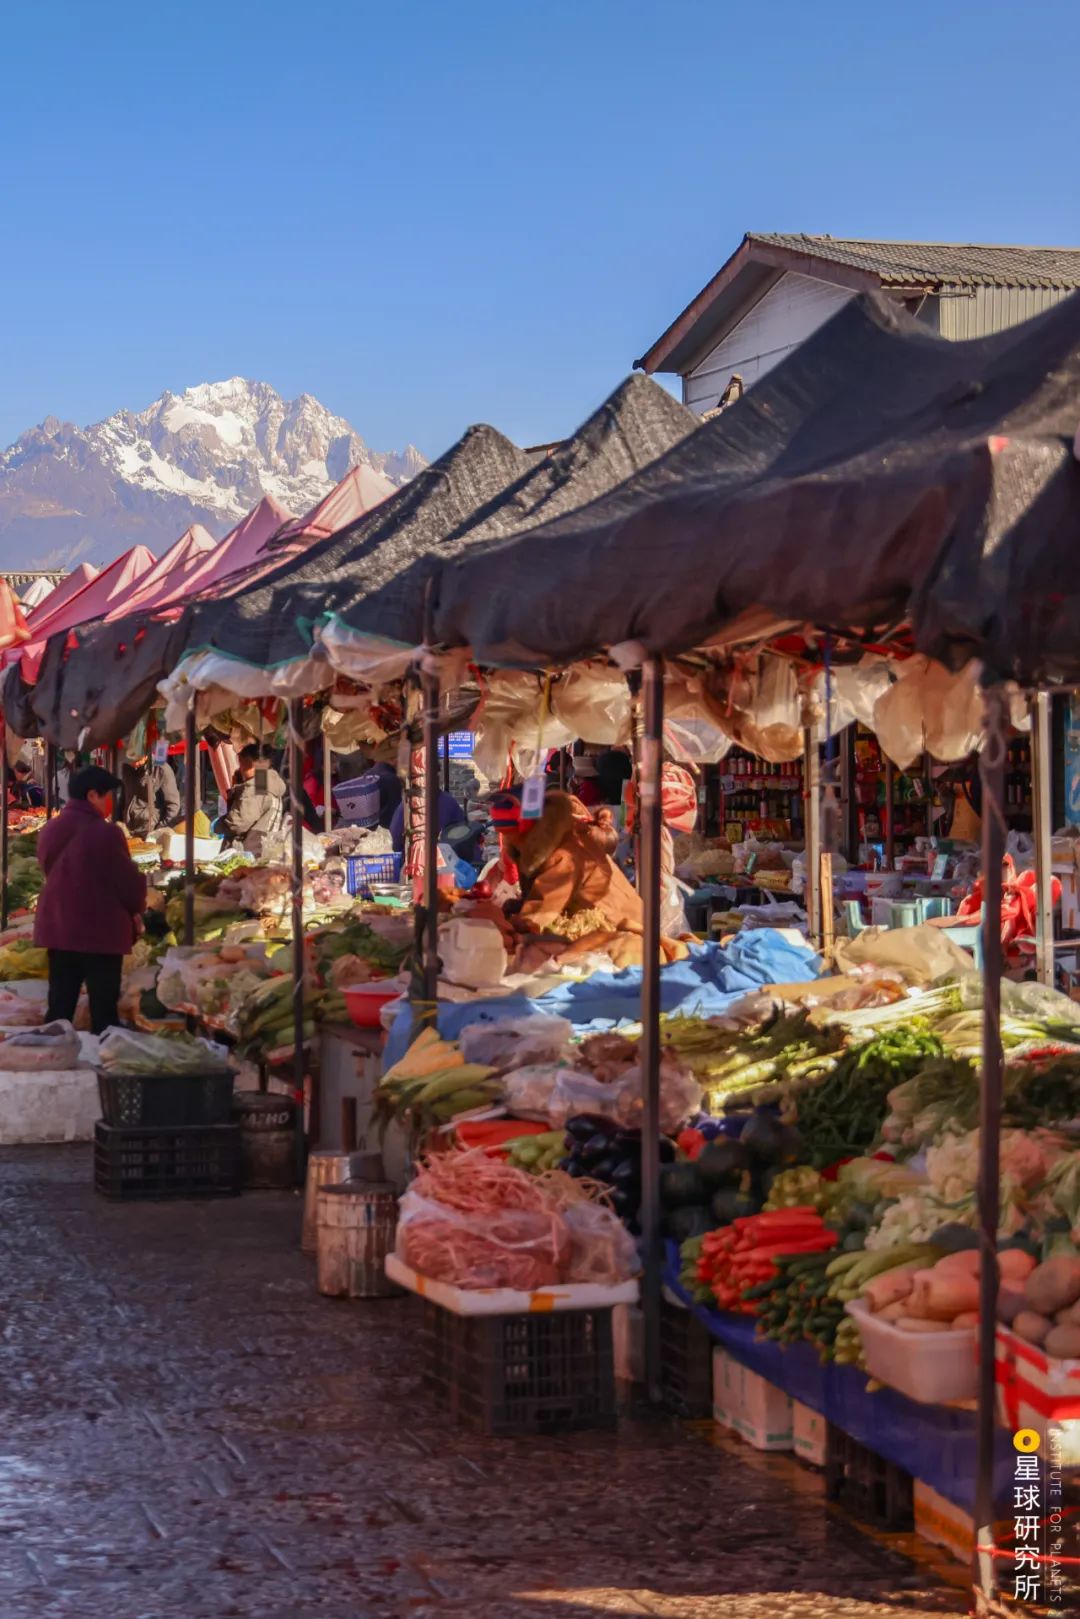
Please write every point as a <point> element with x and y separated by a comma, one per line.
<point>357,1224</point>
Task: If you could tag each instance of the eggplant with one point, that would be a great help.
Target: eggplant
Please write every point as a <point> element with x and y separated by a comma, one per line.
<point>955,1238</point>
<point>598,1146</point>
<point>604,1170</point>
<point>584,1125</point>
<point>622,1203</point>
<point>680,1186</point>
<point>668,1150</point>
<point>720,1163</point>
<point>576,1168</point>
<point>627,1142</point>
<point>626,1173</point>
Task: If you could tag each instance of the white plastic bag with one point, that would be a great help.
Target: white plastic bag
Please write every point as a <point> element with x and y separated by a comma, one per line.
<point>471,952</point>
<point>519,1248</point>
<point>602,1250</point>
<point>593,704</point>
<point>529,1092</point>
<point>517,1042</point>
<point>49,1049</point>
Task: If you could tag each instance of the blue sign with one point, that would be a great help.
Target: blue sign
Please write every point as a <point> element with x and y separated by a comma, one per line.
<point>1072,764</point>
<point>460,744</point>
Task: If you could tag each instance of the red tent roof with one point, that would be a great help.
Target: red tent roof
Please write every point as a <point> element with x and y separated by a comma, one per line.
<point>359,491</point>
<point>112,587</point>
<point>167,578</point>
<point>63,592</point>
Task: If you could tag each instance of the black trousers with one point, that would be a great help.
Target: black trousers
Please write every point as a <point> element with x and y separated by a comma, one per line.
<point>69,970</point>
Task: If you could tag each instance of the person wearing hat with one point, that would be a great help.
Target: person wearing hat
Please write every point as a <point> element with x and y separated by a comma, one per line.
<point>89,913</point>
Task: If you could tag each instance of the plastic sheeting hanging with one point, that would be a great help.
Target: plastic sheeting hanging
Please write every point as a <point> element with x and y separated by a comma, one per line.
<point>594,705</point>
<point>509,717</point>
<point>757,702</point>
<point>690,735</point>
<point>929,709</point>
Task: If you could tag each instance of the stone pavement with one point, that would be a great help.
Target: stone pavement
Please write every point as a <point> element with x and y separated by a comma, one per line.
<point>190,1432</point>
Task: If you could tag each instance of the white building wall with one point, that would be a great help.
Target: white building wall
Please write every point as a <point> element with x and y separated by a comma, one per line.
<point>787,314</point>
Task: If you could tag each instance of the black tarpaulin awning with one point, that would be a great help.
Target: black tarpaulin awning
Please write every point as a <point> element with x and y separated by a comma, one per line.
<point>878,473</point>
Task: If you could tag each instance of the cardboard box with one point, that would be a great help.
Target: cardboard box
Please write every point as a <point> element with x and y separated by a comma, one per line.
<point>749,1406</point>
<point>943,1524</point>
<point>808,1430</point>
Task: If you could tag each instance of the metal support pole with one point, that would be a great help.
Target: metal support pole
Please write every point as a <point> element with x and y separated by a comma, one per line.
<point>113,767</point>
<point>889,829</point>
<point>446,763</point>
<point>650,823</point>
<point>296,816</point>
<point>992,771</point>
<point>5,839</point>
<point>812,826</point>
<point>50,779</point>
<point>1041,755</point>
<point>327,785</point>
<point>429,685</point>
<point>190,766</point>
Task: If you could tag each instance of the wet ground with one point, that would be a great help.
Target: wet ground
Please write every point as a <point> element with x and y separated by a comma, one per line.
<point>190,1432</point>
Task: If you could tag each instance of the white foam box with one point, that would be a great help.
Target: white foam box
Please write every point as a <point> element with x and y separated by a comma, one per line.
<point>942,1523</point>
<point>750,1406</point>
<point>808,1433</point>
<point>508,1300</point>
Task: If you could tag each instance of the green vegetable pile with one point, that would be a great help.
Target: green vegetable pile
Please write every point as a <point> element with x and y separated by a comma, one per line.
<point>732,1063</point>
<point>840,1114</point>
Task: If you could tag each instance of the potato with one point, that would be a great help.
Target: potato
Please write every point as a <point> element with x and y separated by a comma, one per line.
<point>1053,1285</point>
<point>1014,1264</point>
<point>1063,1342</point>
<point>1069,1317</point>
<point>1010,1301</point>
<point>1031,1327</point>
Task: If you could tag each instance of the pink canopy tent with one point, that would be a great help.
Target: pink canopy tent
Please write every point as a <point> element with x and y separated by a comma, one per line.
<point>167,578</point>
<point>237,552</point>
<point>358,492</point>
<point>112,586</point>
<point>69,586</point>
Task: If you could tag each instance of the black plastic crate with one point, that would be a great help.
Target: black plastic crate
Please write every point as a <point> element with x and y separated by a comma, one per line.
<point>686,1359</point>
<point>548,1372</point>
<point>142,1101</point>
<point>873,1490</point>
<point>199,1162</point>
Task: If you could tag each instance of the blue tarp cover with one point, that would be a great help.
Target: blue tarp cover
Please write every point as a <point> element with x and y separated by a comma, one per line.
<point>707,983</point>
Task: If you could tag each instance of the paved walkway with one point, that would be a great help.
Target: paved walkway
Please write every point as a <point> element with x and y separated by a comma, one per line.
<point>190,1432</point>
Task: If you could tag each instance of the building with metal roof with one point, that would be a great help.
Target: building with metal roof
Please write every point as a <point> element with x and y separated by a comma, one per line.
<point>776,289</point>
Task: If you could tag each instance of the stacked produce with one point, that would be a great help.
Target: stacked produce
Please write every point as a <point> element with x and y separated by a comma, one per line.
<point>20,959</point>
<point>737,1264</point>
<point>1042,1306</point>
<point>477,1222</point>
<point>433,1084</point>
<point>124,1051</point>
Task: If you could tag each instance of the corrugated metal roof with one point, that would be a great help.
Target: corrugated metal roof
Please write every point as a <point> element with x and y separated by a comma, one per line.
<point>920,264</point>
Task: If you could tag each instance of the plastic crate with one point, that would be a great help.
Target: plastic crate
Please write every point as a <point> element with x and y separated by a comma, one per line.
<point>361,870</point>
<point>521,1374</point>
<point>142,1101</point>
<point>873,1490</point>
<point>199,1162</point>
<point>686,1361</point>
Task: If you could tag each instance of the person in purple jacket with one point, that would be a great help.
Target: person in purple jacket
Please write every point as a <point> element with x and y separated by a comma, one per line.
<point>89,913</point>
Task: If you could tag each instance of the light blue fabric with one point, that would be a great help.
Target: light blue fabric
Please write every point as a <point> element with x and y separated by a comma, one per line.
<point>707,983</point>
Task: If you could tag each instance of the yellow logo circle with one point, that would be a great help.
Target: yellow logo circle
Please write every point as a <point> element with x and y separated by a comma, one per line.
<point>1026,1439</point>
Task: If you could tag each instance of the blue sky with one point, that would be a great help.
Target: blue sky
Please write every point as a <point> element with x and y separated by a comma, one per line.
<point>445,211</point>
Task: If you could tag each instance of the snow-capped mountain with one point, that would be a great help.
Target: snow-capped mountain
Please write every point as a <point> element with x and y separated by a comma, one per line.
<point>204,456</point>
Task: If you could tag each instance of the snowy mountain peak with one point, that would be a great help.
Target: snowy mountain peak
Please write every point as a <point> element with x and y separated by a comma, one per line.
<point>205,455</point>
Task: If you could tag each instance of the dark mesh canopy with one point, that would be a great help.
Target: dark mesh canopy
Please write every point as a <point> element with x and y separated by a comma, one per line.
<point>878,473</point>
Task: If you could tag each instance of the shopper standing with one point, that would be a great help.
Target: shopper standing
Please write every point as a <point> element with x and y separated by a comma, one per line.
<point>151,798</point>
<point>90,910</point>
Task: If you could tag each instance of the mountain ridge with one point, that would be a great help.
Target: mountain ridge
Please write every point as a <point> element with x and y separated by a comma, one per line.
<point>206,455</point>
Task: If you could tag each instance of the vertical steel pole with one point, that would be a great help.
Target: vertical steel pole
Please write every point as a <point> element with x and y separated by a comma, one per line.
<point>889,829</point>
<point>50,779</point>
<point>5,840</point>
<point>812,827</point>
<point>446,763</point>
<point>296,816</point>
<point>650,823</point>
<point>992,771</point>
<point>429,685</point>
<point>190,767</point>
<point>327,784</point>
<point>1041,755</point>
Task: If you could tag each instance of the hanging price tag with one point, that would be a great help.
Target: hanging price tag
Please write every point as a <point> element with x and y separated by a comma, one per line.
<point>161,752</point>
<point>532,798</point>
